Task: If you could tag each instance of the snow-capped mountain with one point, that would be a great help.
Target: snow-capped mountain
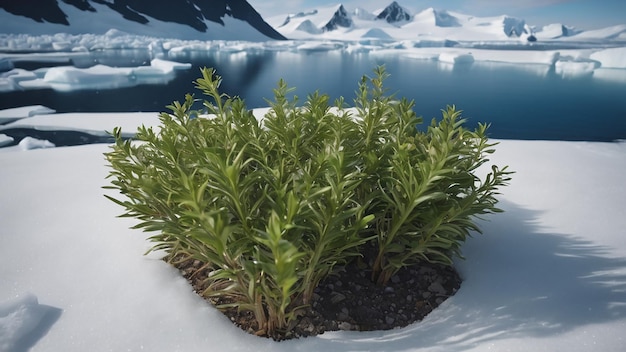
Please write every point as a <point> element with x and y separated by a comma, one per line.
<point>438,18</point>
<point>340,18</point>
<point>316,21</point>
<point>396,22</point>
<point>558,30</point>
<point>394,13</point>
<point>184,19</point>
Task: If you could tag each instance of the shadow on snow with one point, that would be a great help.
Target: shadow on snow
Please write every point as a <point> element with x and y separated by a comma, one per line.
<point>518,282</point>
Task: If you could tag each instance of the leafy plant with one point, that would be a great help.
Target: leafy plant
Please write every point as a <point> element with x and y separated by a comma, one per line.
<point>272,206</point>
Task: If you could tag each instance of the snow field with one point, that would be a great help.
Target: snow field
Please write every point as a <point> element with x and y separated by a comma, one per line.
<point>549,274</point>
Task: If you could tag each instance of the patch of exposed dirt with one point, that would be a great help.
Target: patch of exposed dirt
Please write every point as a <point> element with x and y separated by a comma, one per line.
<point>349,300</point>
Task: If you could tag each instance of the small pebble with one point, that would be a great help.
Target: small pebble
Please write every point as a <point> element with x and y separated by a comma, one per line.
<point>344,325</point>
<point>437,288</point>
<point>337,297</point>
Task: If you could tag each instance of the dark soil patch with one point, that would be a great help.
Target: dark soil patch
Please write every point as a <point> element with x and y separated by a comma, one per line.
<point>349,300</point>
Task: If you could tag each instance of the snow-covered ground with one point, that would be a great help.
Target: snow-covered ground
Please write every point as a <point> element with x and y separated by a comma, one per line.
<point>549,274</point>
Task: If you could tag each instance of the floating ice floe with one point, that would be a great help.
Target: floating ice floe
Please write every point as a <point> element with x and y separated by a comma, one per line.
<point>13,114</point>
<point>98,125</point>
<point>10,81</point>
<point>69,78</point>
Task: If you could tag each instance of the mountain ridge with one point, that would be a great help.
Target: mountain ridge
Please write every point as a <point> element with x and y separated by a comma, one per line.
<point>395,22</point>
<point>202,16</point>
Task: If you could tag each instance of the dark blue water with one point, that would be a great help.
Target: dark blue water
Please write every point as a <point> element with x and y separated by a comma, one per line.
<point>519,101</point>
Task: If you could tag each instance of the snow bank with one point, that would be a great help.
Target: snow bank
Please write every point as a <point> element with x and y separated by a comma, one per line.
<point>98,124</point>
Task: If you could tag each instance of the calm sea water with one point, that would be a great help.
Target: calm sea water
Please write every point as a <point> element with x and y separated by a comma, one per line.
<point>519,101</point>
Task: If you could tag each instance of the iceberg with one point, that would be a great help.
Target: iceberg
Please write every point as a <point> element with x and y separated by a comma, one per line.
<point>96,77</point>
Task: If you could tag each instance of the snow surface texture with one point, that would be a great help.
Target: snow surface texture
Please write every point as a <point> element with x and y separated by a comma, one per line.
<point>549,274</point>
<point>21,321</point>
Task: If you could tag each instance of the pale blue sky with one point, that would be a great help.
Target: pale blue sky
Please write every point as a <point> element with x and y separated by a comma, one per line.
<point>584,14</point>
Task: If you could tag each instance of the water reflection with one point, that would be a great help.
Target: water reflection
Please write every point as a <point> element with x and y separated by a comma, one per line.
<point>454,67</point>
<point>537,70</point>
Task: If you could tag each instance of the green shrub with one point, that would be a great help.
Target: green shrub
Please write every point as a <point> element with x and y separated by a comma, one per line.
<point>272,206</point>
